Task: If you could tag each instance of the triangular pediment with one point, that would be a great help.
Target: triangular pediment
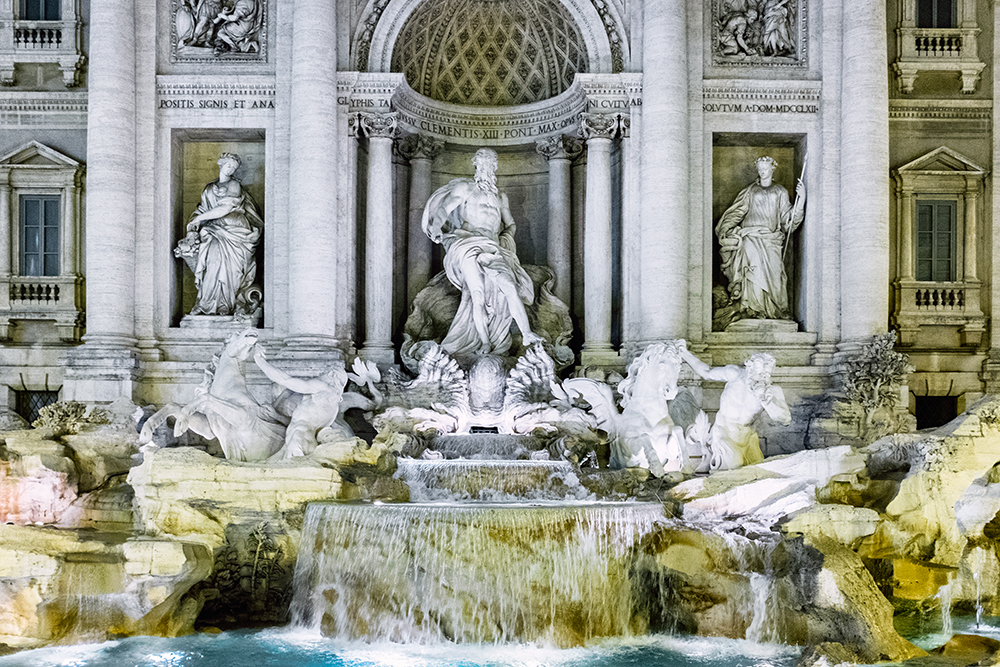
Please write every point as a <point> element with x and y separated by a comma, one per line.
<point>945,160</point>
<point>34,154</point>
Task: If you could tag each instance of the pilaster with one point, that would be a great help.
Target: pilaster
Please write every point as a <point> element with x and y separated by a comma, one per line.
<point>560,152</point>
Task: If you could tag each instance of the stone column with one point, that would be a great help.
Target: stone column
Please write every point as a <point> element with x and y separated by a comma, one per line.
<point>560,151</point>
<point>420,150</point>
<point>864,194</point>
<point>380,129</point>
<point>971,222</point>
<point>906,236</point>
<point>664,252</point>
<point>111,170</point>
<point>5,227</point>
<point>68,251</point>
<point>312,190</point>
<point>598,130</point>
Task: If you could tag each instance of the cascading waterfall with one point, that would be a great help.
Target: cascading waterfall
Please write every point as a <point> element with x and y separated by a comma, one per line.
<point>763,608</point>
<point>944,596</point>
<point>497,480</point>
<point>483,572</point>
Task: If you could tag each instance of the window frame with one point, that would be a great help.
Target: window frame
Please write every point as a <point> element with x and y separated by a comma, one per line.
<point>21,254</point>
<point>955,251</point>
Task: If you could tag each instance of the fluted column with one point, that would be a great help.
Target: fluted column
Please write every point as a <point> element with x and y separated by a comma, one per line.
<point>111,173</point>
<point>864,136</point>
<point>598,129</point>
<point>420,150</point>
<point>380,129</point>
<point>313,176</point>
<point>664,254</point>
<point>560,151</point>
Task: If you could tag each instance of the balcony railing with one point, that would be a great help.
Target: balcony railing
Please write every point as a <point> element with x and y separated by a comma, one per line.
<point>937,49</point>
<point>56,42</point>
<point>949,304</point>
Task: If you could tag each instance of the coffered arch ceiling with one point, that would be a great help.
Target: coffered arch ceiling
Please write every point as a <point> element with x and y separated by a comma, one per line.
<point>489,53</point>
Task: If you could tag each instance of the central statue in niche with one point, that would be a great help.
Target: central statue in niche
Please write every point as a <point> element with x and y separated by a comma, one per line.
<point>471,219</point>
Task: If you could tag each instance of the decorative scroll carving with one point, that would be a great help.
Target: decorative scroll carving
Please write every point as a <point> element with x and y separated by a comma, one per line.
<point>364,39</point>
<point>216,31</point>
<point>761,33</point>
<point>598,125</point>
<point>379,124</point>
<point>420,147</point>
<point>615,38</point>
<point>560,147</point>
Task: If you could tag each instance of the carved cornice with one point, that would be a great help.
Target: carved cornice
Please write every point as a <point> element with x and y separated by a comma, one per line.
<point>598,125</point>
<point>923,110</point>
<point>382,125</point>
<point>35,109</point>
<point>214,88</point>
<point>559,147</point>
<point>769,92</point>
<point>487,126</point>
<point>420,147</point>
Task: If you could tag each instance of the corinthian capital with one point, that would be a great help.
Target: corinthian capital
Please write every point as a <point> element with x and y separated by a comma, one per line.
<point>420,147</point>
<point>598,125</point>
<point>379,124</point>
<point>558,147</point>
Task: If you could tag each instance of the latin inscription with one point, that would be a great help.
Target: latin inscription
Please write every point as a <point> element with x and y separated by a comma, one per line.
<point>235,104</point>
<point>760,108</point>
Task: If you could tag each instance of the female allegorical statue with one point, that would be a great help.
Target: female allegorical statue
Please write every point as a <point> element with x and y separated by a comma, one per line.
<point>219,248</point>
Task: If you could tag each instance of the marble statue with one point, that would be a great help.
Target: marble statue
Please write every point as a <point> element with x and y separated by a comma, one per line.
<point>220,247</point>
<point>225,409</point>
<point>753,238</point>
<point>318,404</point>
<point>748,391</point>
<point>732,31</point>
<point>472,220</point>
<point>643,435</point>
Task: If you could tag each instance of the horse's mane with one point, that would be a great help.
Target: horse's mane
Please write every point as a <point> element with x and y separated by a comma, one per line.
<point>213,365</point>
<point>652,354</point>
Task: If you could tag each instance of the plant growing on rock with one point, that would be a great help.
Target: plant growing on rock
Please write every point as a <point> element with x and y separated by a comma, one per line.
<point>65,417</point>
<point>873,381</point>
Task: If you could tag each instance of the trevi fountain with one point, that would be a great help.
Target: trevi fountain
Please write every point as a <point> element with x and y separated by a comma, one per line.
<point>480,504</point>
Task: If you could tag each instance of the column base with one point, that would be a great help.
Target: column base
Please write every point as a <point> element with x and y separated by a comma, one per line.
<point>312,352</point>
<point>383,356</point>
<point>600,356</point>
<point>101,370</point>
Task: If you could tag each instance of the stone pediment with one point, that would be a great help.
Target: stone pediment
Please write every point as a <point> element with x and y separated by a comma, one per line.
<point>942,160</point>
<point>35,154</point>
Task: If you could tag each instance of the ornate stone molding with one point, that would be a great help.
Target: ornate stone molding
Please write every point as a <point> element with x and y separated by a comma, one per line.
<point>559,147</point>
<point>624,126</point>
<point>616,37</point>
<point>379,124</point>
<point>761,33</point>
<point>220,34</point>
<point>598,125</point>
<point>420,147</point>
<point>487,126</point>
<point>208,93</point>
<point>922,110</point>
<point>26,110</point>
<point>740,97</point>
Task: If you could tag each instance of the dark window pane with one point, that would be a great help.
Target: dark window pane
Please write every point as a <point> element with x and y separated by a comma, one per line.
<point>51,265</point>
<point>32,240</point>
<point>52,10</point>
<point>925,217</point>
<point>942,271</point>
<point>945,15</point>
<point>30,402</point>
<point>923,269</point>
<point>925,13</point>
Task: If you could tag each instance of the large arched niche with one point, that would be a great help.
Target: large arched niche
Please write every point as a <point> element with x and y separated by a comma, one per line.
<point>377,34</point>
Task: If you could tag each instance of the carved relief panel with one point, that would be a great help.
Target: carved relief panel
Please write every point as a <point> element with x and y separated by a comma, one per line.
<point>218,30</point>
<point>769,33</point>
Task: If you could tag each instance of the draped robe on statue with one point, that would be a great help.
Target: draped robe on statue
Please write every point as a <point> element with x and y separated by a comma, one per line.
<point>752,234</point>
<point>492,251</point>
<point>226,266</point>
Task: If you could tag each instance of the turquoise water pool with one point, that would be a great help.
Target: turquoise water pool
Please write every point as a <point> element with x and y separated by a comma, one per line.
<point>279,648</point>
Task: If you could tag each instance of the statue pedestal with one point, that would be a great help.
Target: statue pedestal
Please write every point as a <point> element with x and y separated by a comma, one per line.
<point>213,325</point>
<point>763,326</point>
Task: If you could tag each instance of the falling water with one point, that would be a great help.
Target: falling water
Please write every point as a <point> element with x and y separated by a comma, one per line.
<point>425,573</point>
<point>763,608</point>
<point>978,571</point>
<point>491,480</point>
<point>944,596</point>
